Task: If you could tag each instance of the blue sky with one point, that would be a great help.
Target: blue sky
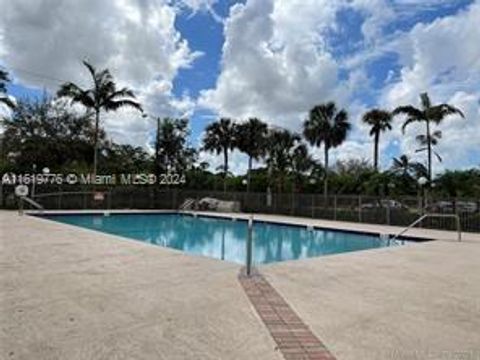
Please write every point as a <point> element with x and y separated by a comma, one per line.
<point>359,53</point>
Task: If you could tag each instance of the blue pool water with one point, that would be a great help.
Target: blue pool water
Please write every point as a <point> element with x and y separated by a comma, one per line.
<point>226,239</point>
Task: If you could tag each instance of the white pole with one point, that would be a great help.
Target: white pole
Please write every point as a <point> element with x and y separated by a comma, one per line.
<point>249,246</point>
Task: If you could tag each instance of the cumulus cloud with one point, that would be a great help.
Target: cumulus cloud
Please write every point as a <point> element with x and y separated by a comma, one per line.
<point>136,40</point>
<point>43,42</point>
<point>131,126</point>
<point>273,67</point>
<point>196,6</point>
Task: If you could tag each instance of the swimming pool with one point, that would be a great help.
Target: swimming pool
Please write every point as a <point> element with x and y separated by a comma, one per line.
<point>225,239</point>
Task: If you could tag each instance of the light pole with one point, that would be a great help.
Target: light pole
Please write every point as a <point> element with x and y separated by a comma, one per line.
<point>246,195</point>
<point>34,167</point>
<point>422,181</point>
<point>312,182</point>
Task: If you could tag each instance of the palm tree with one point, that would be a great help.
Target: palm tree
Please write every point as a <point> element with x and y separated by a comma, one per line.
<point>281,145</point>
<point>103,96</point>
<point>251,139</point>
<point>220,138</point>
<point>427,114</point>
<point>301,163</point>
<point>328,126</point>
<point>408,169</point>
<point>4,99</point>
<point>380,121</point>
<point>423,141</point>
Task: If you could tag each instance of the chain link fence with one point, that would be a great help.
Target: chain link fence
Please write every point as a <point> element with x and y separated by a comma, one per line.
<point>399,211</point>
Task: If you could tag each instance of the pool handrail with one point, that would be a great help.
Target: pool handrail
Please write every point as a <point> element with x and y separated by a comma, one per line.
<point>31,202</point>
<point>249,245</point>
<point>424,216</point>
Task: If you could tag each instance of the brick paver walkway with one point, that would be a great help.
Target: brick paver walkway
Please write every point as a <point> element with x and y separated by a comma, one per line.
<point>293,338</point>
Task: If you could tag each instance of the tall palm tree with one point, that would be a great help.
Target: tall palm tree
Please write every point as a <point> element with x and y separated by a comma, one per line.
<point>380,121</point>
<point>427,114</point>
<point>220,138</point>
<point>4,99</point>
<point>251,139</point>
<point>328,126</point>
<point>102,96</point>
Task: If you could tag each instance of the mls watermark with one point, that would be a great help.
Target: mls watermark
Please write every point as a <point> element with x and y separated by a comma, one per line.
<point>90,179</point>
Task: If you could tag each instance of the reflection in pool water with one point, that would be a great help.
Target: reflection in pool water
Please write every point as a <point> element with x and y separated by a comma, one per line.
<point>225,239</point>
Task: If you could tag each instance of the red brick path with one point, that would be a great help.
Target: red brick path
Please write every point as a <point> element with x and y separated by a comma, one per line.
<point>294,339</point>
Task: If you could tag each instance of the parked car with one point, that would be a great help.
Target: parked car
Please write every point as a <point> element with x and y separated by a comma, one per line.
<point>451,206</point>
<point>387,203</point>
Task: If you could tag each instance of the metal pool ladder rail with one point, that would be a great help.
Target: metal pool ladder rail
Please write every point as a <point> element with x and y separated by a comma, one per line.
<point>249,244</point>
<point>31,202</point>
<point>424,216</point>
<point>188,204</point>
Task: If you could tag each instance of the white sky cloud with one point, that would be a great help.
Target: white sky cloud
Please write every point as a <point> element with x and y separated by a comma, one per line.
<point>269,70</point>
<point>137,41</point>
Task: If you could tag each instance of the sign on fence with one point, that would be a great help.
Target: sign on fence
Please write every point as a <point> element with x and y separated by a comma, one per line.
<point>99,196</point>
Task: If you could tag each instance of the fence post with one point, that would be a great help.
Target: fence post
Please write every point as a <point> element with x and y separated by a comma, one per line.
<point>109,201</point>
<point>275,200</point>
<point>459,227</point>
<point>334,207</point>
<point>420,207</point>
<point>249,246</point>
<point>174,199</point>
<point>20,205</point>
<point>387,210</point>
<point>359,208</point>
<point>292,211</point>
<point>313,205</point>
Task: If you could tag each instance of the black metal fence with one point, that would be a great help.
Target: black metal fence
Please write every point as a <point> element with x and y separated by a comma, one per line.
<point>399,211</point>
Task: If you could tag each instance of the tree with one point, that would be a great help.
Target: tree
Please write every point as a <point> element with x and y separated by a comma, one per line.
<point>301,163</point>
<point>102,96</point>
<point>380,121</point>
<point>351,175</point>
<point>408,169</point>
<point>328,126</point>
<point>46,133</point>
<point>423,140</point>
<point>4,99</point>
<point>126,159</point>
<point>220,138</point>
<point>427,114</point>
<point>251,139</point>
<point>172,152</point>
<point>281,146</point>
<point>459,183</point>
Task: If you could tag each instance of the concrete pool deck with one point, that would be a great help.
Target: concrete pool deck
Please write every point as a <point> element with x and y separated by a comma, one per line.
<point>73,293</point>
